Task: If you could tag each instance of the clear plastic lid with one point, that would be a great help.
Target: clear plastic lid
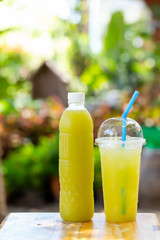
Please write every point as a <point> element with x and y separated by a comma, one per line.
<point>110,132</point>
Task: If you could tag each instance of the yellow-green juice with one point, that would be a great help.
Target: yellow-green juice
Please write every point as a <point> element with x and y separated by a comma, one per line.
<point>120,177</point>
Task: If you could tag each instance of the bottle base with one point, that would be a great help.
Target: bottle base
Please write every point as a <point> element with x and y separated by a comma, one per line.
<point>76,219</point>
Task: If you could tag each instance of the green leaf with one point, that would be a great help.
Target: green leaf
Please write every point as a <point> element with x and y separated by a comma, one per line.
<point>115,34</point>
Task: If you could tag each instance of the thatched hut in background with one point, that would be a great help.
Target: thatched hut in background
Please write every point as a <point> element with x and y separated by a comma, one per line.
<point>49,81</point>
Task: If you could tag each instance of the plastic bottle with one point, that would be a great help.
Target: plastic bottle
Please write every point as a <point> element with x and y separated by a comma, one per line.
<point>76,162</point>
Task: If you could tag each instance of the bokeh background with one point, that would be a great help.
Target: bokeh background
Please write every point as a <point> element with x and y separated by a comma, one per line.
<point>107,49</point>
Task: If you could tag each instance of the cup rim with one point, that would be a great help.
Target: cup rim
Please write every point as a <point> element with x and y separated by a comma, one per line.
<point>118,140</point>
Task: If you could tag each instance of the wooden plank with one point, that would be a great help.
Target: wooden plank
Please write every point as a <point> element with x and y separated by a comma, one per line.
<point>2,223</point>
<point>49,226</point>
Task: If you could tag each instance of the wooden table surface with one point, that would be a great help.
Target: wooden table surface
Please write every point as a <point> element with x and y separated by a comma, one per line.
<point>50,226</point>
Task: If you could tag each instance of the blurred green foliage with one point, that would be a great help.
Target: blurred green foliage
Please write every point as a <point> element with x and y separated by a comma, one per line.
<point>73,51</point>
<point>30,166</point>
<point>124,62</point>
<point>11,74</point>
<point>129,58</point>
<point>13,70</point>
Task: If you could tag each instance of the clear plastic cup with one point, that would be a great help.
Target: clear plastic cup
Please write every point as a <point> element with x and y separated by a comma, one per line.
<point>120,163</point>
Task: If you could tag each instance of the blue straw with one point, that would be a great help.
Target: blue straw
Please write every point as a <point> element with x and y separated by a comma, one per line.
<point>124,116</point>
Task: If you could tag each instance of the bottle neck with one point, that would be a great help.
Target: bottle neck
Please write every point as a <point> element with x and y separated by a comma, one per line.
<point>76,105</point>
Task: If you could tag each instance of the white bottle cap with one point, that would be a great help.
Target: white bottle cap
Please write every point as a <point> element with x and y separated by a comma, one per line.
<point>76,97</point>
